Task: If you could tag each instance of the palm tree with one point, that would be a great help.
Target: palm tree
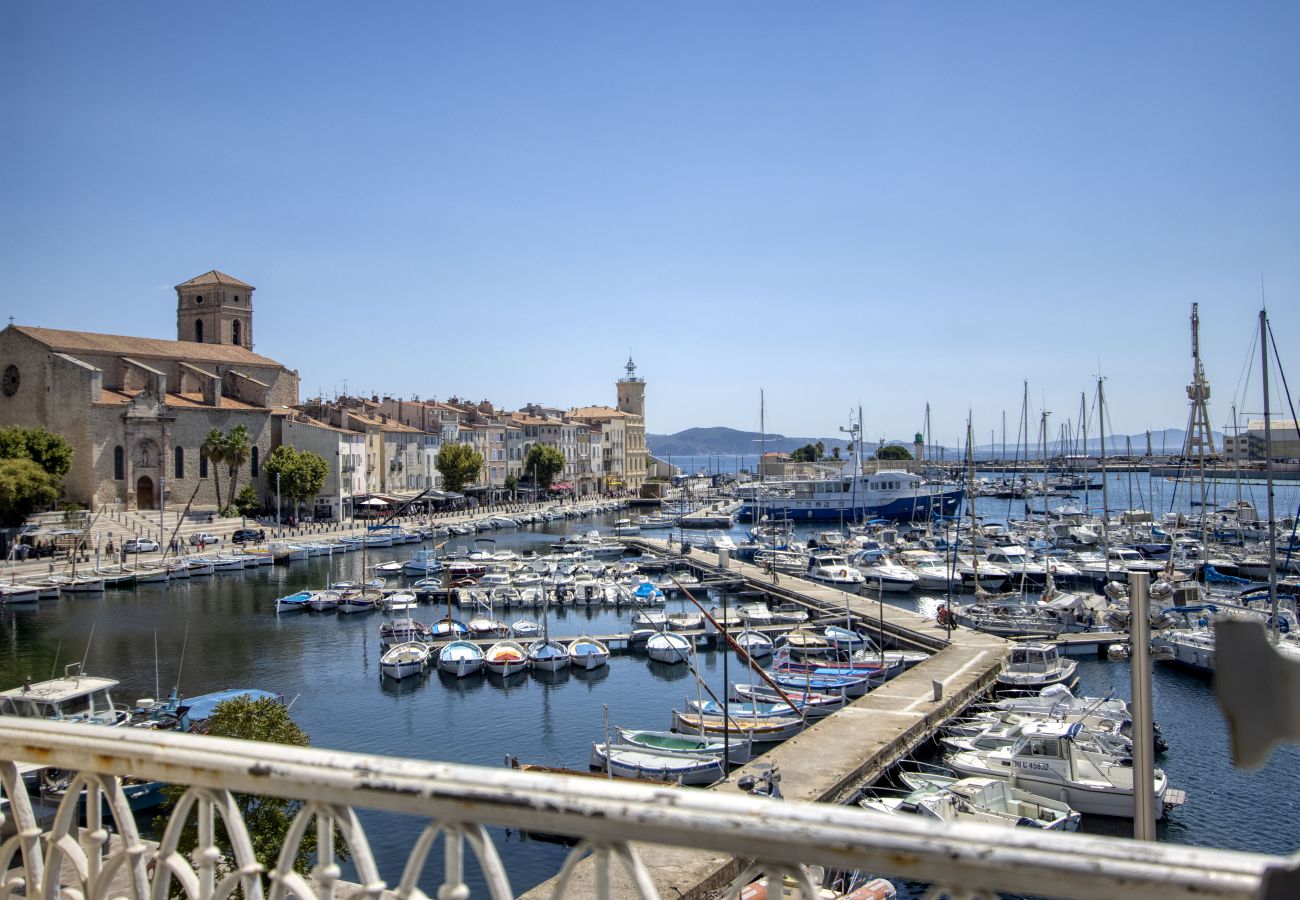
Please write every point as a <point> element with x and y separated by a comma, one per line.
<point>214,449</point>
<point>238,447</point>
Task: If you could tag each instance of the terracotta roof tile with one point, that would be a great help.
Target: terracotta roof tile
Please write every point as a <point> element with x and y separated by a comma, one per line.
<point>147,348</point>
<point>180,401</point>
<point>212,276</point>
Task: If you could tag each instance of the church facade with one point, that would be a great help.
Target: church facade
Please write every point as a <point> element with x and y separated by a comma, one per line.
<point>136,410</point>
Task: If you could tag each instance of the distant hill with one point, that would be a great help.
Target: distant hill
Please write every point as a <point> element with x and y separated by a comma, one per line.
<point>730,442</point>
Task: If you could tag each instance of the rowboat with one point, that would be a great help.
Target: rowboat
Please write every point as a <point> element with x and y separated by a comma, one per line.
<point>525,628</point>
<point>759,730</point>
<point>506,658</point>
<point>811,703</point>
<point>667,647</point>
<point>739,749</point>
<point>405,659</point>
<point>588,653</point>
<point>323,600</point>
<point>548,656</point>
<point>657,765</point>
<point>359,601</point>
<point>755,643</point>
<point>293,602</point>
<point>460,658</point>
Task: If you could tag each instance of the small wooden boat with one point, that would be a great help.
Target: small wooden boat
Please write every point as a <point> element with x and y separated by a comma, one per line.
<point>323,600</point>
<point>806,643</point>
<point>548,655</point>
<point>588,653</point>
<point>525,628</point>
<point>224,563</point>
<point>506,658</point>
<point>400,602</point>
<point>484,626</point>
<point>403,660</point>
<point>460,658</point>
<point>404,630</point>
<point>755,643</point>
<point>650,618</point>
<point>446,628</point>
<point>668,647</point>
<point>359,601</point>
<point>851,686</point>
<point>19,593</point>
<point>759,730</point>
<point>657,765</point>
<point>811,703</point>
<point>739,748</point>
<point>293,602</point>
<point>685,621</point>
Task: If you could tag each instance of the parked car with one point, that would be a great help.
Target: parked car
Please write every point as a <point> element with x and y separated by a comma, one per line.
<point>248,535</point>
<point>203,539</point>
<point>140,545</point>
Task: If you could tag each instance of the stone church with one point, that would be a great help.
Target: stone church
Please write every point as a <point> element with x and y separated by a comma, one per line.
<point>136,410</point>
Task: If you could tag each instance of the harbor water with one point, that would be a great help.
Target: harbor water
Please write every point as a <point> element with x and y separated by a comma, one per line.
<point>207,634</point>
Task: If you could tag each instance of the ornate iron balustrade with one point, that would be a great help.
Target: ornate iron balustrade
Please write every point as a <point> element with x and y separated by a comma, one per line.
<point>458,803</point>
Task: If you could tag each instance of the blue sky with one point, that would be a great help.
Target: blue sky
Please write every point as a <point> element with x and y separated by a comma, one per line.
<point>841,203</point>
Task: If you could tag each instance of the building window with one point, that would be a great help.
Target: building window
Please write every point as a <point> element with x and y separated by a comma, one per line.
<point>236,332</point>
<point>254,462</point>
<point>198,331</point>
<point>198,299</point>
<point>203,464</point>
<point>180,462</point>
<point>119,462</point>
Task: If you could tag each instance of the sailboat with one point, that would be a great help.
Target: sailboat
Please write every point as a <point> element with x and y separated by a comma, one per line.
<point>545,654</point>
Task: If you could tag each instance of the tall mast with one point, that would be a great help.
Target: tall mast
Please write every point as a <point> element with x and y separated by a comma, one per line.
<point>1268,469</point>
<point>1105,504</point>
<point>1083,463</point>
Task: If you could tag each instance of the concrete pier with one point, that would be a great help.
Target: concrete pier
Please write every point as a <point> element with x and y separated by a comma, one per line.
<point>828,761</point>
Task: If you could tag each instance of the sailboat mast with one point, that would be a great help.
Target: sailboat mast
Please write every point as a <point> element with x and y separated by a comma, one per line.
<point>1105,497</point>
<point>1268,470</point>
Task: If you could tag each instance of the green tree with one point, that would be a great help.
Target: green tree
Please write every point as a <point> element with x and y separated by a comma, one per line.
<point>214,448</point>
<point>301,474</point>
<point>835,452</point>
<point>247,503</point>
<point>543,463</point>
<point>821,450</point>
<point>807,453</point>
<point>239,447</point>
<point>893,451</point>
<point>24,488</point>
<point>45,448</point>
<point>512,482</point>
<point>268,818</point>
<point>459,465</point>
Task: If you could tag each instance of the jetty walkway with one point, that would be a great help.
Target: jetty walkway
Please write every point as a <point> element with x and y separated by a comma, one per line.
<point>832,758</point>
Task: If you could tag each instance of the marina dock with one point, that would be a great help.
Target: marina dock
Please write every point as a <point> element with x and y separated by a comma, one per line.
<point>832,758</point>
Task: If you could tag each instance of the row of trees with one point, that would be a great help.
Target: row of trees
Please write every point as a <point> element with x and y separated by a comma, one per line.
<point>299,474</point>
<point>33,462</point>
<point>817,452</point>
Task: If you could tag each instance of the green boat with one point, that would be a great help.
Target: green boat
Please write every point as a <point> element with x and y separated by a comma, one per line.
<point>740,749</point>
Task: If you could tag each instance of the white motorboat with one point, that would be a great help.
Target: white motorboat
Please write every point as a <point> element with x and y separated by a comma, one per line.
<point>984,800</point>
<point>668,647</point>
<point>887,575</point>
<point>755,614</point>
<point>1046,760</point>
<point>404,660</point>
<point>1034,666</point>
<point>525,628</point>
<point>685,621</point>
<point>650,618</point>
<point>832,568</point>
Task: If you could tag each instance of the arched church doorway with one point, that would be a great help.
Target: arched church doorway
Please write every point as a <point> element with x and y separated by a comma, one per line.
<point>144,498</point>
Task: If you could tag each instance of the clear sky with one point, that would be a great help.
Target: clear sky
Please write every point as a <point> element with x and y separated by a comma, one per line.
<point>842,203</point>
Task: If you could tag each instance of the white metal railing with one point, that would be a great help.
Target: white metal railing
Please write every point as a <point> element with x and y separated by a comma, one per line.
<point>458,802</point>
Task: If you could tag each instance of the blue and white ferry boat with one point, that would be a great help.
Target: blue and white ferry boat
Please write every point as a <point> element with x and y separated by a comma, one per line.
<point>882,495</point>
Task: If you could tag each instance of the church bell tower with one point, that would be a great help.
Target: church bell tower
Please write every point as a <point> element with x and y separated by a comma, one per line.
<point>214,308</point>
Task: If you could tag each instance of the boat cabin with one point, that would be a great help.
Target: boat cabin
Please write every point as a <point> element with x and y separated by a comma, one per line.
<point>1034,659</point>
<point>72,698</point>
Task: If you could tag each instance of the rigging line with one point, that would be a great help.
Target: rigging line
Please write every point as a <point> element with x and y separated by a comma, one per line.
<point>1248,368</point>
<point>1286,389</point>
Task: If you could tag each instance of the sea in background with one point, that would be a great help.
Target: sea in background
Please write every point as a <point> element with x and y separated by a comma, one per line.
<point>229,636</point>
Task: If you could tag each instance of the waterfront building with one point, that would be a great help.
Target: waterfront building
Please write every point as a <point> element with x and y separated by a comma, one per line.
<point>342,449</point>
<point>137,409</point>
<point>1249,444</point>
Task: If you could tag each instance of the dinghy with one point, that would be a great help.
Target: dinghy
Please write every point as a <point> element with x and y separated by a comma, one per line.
<point>403,660</point>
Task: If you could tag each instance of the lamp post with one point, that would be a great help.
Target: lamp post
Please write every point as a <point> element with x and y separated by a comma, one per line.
<point>277,505</point>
